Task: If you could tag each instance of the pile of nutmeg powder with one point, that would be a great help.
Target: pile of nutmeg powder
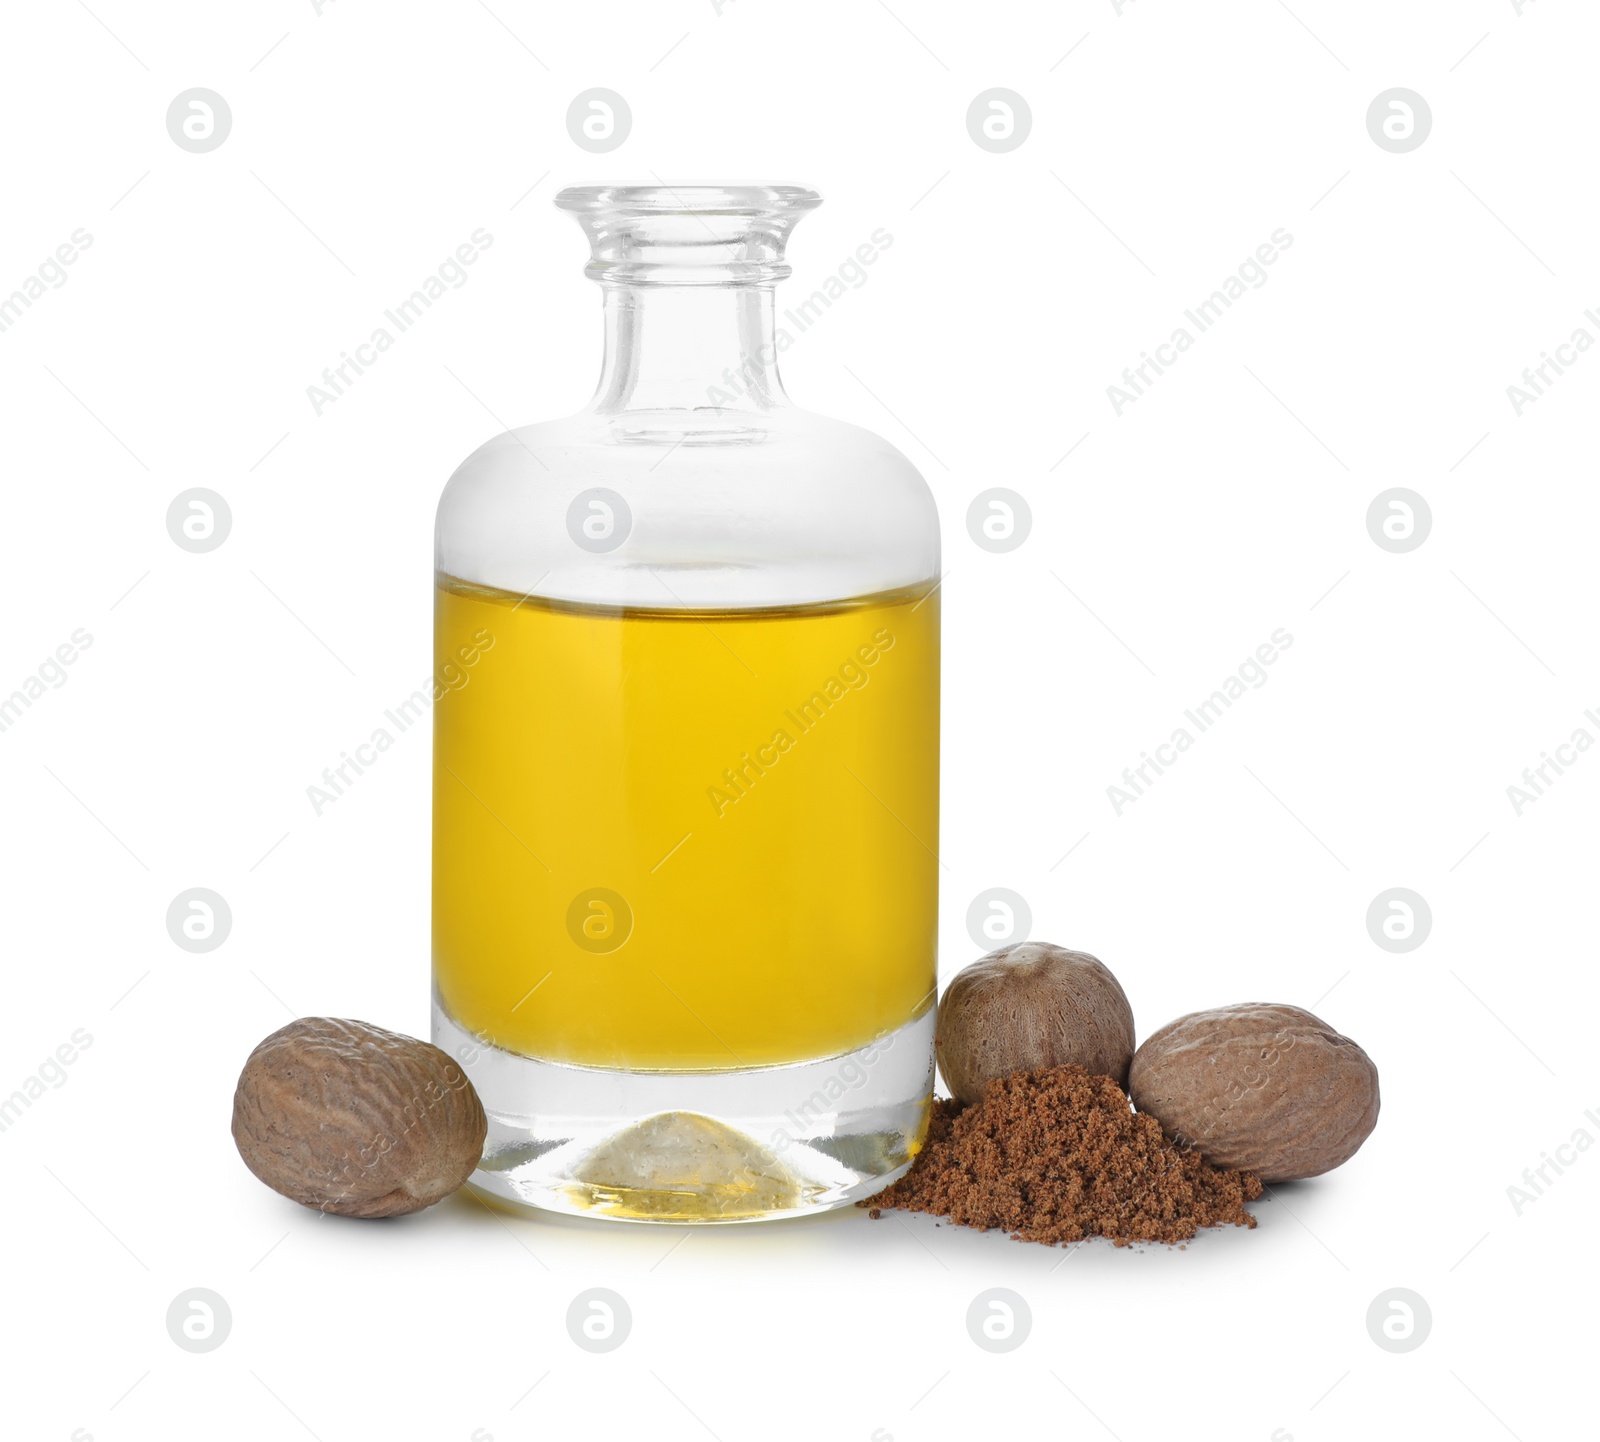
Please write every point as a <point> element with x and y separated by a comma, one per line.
<point>1058,1155</point>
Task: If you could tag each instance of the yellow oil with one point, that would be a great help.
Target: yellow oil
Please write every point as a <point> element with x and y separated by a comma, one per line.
<point>684,840</point>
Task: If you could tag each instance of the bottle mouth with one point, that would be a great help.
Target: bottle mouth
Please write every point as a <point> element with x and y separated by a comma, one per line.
<point>687,199</point>
<point>716,235</point>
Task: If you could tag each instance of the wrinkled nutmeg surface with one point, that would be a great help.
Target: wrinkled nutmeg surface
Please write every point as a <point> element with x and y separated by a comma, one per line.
<point>351,1119</point>
<point>1029,1006</point>
<point>1262,1087</point>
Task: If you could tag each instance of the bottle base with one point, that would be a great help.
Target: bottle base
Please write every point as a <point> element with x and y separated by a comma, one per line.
<point>749,1145</point>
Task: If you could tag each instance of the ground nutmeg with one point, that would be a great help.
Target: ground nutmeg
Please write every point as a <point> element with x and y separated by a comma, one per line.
<point>1058,1155</point>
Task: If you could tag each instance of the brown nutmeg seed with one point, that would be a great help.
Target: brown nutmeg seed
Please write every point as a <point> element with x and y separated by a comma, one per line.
<point>348,1118</point>
<point>1028,1006</point>
<point>1261,1087</point>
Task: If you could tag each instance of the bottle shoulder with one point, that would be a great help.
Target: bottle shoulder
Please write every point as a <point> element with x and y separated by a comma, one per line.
<point>699,509</point>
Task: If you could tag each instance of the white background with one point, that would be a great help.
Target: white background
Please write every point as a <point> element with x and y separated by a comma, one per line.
<point>366,144</point>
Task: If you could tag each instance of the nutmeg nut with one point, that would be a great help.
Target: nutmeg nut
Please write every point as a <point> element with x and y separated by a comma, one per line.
<point>348,1118</point>
<point>1027,1006</point>
<point>1260,1087</point>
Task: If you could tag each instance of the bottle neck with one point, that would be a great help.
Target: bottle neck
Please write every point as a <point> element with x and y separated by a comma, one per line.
<point>689,347</point>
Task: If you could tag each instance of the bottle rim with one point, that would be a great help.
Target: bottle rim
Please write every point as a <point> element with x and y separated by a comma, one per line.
<point>688,199</point>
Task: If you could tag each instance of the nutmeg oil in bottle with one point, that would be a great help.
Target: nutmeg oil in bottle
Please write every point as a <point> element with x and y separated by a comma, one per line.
<point>685,881</point>
<point>685,839</point>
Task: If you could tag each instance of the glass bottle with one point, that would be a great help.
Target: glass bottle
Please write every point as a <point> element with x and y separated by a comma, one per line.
<point>685,802</point>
